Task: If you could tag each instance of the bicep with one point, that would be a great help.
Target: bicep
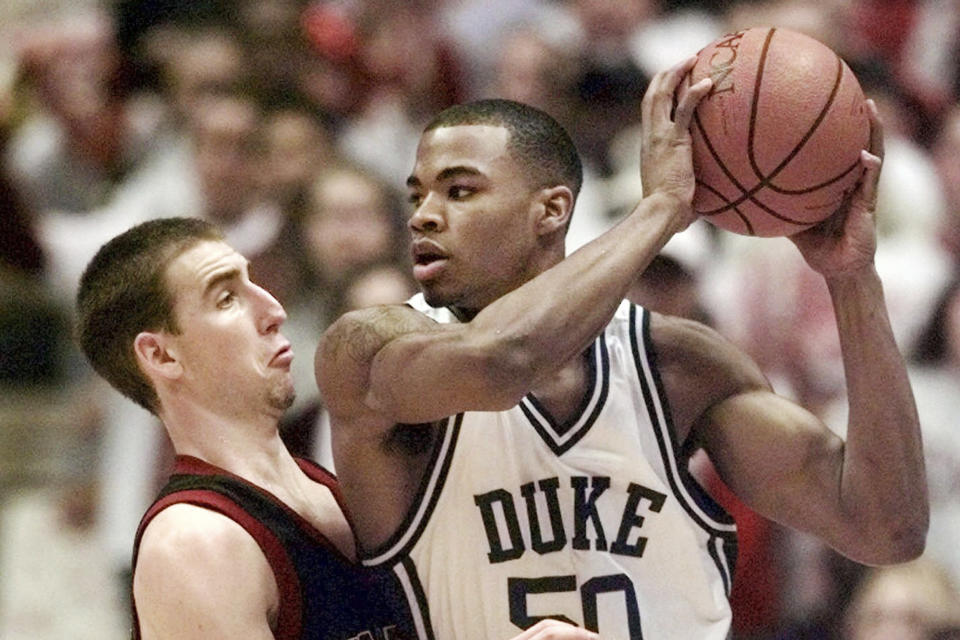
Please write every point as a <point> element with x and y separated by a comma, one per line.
<point>200,575</point>
<point>777,457</point>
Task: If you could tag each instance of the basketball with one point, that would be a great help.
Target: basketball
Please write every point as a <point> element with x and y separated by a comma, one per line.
<point>776,142</point>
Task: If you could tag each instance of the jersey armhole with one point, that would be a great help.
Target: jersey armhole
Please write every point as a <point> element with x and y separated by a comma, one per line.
<point>289,613</point>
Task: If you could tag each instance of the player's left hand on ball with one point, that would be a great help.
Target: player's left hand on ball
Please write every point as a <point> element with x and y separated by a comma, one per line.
<point>846,241</point>
<point>556,630</point>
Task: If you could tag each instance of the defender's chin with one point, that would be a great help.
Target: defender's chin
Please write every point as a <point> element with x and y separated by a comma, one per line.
<point>282,395</point>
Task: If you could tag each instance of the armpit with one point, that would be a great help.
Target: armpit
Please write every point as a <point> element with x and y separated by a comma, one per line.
<point>412,439</point>
<point>699,368</point>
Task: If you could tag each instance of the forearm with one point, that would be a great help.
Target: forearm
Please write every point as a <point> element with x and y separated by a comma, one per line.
<point>883,482</point>
<point>555,315</point>
<point>419,371</point>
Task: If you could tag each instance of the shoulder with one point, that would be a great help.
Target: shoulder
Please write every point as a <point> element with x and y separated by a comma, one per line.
<point>196,571</point>
<point>690,345</point>
<point>193,539</point>
<point>699,367</point>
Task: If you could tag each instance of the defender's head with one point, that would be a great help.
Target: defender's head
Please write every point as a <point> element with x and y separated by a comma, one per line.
<point>123,292</point>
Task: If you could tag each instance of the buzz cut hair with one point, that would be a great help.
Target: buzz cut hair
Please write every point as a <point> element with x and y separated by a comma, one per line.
<point>123,291</point>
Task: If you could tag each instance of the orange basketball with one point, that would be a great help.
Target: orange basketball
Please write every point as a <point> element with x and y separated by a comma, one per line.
<point>776,142</point>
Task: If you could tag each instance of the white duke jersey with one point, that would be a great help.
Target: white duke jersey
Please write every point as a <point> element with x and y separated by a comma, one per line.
<point>596,521</point>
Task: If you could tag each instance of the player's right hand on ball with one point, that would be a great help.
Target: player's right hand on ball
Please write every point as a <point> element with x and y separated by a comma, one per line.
<point>556,630</point>
<point>666,154</point>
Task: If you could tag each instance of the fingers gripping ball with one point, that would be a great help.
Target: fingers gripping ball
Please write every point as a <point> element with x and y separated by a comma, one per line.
<point>776,142</point>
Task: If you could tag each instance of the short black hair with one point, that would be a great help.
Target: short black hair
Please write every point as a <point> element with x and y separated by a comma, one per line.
<point>537,141</point>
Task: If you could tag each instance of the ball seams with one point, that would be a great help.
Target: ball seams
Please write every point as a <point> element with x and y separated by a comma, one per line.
<point>766,181</point>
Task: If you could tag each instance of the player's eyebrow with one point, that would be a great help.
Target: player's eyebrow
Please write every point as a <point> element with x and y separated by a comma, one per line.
<point>447,174</point>
<point>223,276</point>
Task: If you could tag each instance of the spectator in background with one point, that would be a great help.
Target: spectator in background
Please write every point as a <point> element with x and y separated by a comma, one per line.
<point>32,327</point>
<point>917,40</point>
<point>534,70</point>
<point>913,601</point>
<point>274,43</point>
<point>194,63</point>
<point>475,28</point>
<point>224,136</point>
<point>352,220</point>
<point>306,431</point>
<point>332,78</point>
<point>293,148</point>
<point>945,152</point>
<point>609,83</point>
<point>82,139</point>
<point>410,71</point>
<point>139,21</point>
<point>935,372</point>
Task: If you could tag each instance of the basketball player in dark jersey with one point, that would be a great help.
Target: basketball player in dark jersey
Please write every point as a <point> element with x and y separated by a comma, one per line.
<point>244,541</point>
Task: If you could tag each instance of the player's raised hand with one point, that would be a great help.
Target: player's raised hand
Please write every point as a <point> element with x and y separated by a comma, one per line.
<point>555,630</point>
<point>846,241</point>
<point>666,163</point>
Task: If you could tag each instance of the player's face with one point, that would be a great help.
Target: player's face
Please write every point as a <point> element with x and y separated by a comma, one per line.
<point>234,358</point>
<point>472,223</point>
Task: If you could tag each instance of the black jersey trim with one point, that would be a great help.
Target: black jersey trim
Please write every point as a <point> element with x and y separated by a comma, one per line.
<point>424,502</point>
<point>561,437</point>
<point>723,550</point>
<point>703,499</point>
<point>408,577</point>
<point>701,508</point>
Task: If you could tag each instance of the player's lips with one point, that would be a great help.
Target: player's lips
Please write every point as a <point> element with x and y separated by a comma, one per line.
<point>283,357</point>
<point>428,258</point>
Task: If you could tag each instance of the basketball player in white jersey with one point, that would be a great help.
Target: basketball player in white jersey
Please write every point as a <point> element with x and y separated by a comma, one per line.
<point>514,441</point>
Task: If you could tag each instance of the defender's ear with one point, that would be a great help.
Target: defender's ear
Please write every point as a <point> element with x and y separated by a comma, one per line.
<point>556,207</point>
<point>156,355</point>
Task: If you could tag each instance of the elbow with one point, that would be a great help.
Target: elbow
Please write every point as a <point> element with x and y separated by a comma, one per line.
<point>904,548</point>
<point>898,542</point>
<point>910,541</point>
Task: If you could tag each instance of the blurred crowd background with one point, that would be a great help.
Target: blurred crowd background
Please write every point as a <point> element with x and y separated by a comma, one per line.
<point>293,124</point>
